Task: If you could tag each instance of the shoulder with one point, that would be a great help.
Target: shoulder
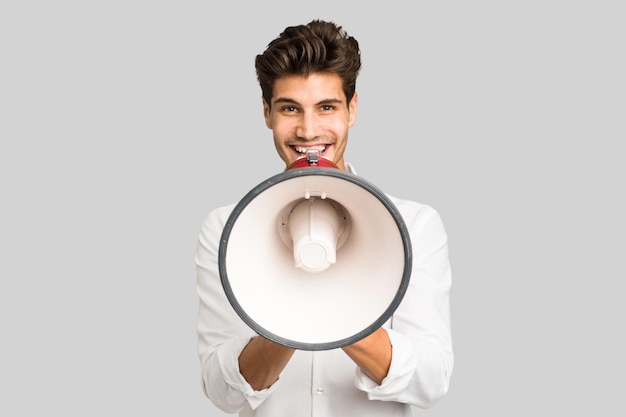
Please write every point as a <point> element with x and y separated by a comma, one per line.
<point>217,218</point>
<point>221,212</point>
<point>424,225</point>
<point>413,211</point>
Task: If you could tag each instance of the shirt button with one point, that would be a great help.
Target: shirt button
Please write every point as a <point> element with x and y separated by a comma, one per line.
<point>319,391</point>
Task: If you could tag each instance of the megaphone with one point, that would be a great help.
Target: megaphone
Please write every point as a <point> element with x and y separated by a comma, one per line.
<point>315,258</point>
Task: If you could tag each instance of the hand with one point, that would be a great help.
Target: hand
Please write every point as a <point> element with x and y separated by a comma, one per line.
<point>262,361</point>
<point>372,354</point>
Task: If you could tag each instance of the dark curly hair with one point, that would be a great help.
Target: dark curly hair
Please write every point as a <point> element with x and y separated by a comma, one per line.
<point>318,46</point>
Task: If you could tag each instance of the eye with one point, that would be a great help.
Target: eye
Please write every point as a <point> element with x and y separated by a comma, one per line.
<point>289,109</point>
<point>327,107</point>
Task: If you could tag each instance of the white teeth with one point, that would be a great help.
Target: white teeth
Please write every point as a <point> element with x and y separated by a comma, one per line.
<point>303,149</point>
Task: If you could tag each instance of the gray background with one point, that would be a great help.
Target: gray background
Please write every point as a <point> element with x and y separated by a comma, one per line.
<point>123,123</point>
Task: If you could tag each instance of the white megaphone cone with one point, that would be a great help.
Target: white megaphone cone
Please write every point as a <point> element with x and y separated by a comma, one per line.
<point>315,257</point>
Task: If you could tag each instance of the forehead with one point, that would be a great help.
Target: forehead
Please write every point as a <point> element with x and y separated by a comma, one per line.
<point>313,88</point>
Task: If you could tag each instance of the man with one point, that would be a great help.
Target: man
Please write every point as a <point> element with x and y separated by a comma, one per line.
<point>308,79</point>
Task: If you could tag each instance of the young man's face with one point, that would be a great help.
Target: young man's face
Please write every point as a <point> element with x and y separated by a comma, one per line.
<point>310,113</point>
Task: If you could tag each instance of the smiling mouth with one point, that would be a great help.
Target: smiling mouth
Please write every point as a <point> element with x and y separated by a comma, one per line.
<point>302,150</point>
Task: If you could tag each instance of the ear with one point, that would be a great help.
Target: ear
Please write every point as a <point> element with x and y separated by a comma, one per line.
<point>266,113</point>
<point>352,107</point>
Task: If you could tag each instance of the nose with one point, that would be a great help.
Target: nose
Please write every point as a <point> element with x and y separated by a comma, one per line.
<point>308,127</point>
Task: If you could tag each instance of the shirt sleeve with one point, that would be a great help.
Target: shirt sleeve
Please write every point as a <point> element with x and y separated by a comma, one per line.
<point>222,335</point>
<point>419,330</point>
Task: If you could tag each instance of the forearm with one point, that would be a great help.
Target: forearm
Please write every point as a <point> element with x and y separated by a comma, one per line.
<point>372,355</point>
<point>262,361</point>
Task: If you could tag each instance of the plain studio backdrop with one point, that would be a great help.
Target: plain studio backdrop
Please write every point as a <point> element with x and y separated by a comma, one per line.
<point>123,123</point>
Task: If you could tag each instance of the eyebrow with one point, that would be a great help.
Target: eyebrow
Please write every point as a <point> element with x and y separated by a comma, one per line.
<point>319,103</point>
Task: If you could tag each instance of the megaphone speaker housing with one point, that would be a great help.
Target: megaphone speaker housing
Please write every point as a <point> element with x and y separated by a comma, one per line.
<point>351,235</point>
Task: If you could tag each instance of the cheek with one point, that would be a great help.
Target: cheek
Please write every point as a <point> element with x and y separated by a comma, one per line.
<point>283,130</point>
<point>281,135</point>
<point>341,130</point>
